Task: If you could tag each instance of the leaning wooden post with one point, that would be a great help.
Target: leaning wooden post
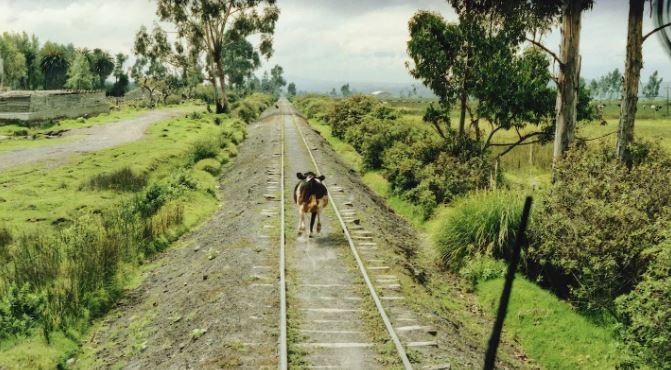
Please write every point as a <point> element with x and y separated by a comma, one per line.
<point>495,338</point>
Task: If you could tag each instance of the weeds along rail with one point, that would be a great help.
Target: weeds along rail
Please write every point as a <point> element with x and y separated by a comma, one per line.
<point>371,289</point>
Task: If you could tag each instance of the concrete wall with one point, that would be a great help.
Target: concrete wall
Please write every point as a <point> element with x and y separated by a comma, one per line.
<point>34,107</point>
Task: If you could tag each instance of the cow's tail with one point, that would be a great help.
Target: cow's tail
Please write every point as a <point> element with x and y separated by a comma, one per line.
<point>312,221</point>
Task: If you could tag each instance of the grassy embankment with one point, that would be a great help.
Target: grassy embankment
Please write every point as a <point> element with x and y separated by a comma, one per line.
<point>72,238</point>
<point>549,330</point>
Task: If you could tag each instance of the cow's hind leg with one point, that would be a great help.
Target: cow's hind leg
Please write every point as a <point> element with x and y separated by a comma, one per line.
<point>319,221</point>
<point>301,222</point>
<point>312,222</point>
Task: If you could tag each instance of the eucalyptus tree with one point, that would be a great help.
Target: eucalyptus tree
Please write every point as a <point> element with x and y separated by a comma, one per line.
<point>509,89</point>
<point>345,90</point>
<point>213,25</point>
<point>632,76</point>
<point>29,47</point>
<point>277,80</point>
<point>79,74</point>
<point>151,67</point>
<point>13,61</point>
<point>569,13</point>
<point>240,60</point>
<point>651,89</point>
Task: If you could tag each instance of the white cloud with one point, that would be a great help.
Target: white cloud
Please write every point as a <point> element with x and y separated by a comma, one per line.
<point>328,40</point>
<point>95,23</point>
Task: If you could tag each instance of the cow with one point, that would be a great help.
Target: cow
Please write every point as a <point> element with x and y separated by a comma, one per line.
<point>311,196</point>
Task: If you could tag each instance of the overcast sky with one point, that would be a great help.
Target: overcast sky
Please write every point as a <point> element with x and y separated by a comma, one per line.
<point>320,40</point>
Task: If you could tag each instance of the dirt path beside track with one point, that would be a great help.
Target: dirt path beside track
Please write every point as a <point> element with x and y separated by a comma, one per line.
<point>94,139</point>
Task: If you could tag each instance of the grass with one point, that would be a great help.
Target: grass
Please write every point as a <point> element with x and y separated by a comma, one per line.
<point>549,330</point>
<point>57,203</point>
<point>482,223</point>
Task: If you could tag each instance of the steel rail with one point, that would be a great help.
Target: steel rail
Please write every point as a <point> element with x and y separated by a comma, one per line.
<point>284,360</point>
<point>378,303</point>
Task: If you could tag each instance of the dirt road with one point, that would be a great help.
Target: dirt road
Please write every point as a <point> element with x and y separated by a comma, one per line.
<point>95,138</point>
<point>213,302</point>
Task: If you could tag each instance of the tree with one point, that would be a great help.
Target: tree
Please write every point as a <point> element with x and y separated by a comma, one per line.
<point>277,79</point>
<point>150,70</point>
<point>13,61</point>
<point>345,91</point>
<point>651,89</point>
<point>102,66</point>
<point>29,47</point>
<point>239,59</point>
<point>471,59</point>
<point>119,60</point>
<point>632,77</point>
<point>121,82</point>
<point>54,64</point>
<point>79,74</point>
<point>291,89</point>
<point>211,25</point>
<point>568,81</point>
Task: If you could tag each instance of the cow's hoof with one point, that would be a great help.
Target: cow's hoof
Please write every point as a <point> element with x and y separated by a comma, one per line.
<point>300,233</point>
<point>310,236</point>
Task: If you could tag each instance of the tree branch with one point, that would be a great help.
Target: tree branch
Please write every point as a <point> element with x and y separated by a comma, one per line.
<point>654,31</point>
<point>599,137</point>
<point>550,52</point>
<point>519,142</point>
<point>489,138</point>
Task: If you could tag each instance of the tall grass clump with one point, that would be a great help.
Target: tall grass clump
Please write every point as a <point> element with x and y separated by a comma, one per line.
<point>124,179</point>
<point>58,278</point>
<point>481,224</point>
<point>206,148</point>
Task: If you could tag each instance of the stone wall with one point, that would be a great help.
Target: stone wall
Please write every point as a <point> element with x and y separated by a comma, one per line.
<point>35,107</point>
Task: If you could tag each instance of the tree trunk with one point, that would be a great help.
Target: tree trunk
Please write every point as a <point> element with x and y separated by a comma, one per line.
<point>569,76</point>
<point>222,105</point>
<point>632,76</point>
<point>215,99</point>
<point>462,114</point>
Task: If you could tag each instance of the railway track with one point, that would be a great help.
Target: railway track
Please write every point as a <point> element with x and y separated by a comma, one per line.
<point>323,295</point>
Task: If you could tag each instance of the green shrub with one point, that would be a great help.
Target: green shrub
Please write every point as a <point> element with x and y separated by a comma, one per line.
<point>209,165</point>
<point>124,179</point>
<point>349,112</point>
<point>646,312</point>
<point>173,100</point>
<point>597,219</point>
<point>21,132</point>
<point>481,224</point>
<point>480,269</point>
<point>314,106</point>
<point>5,240</point>
<point>205,148</point>
<point>246,111</point>
<point>195,115</point>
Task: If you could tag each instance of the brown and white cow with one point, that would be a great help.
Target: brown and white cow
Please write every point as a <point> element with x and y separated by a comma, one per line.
<point>311,196</point>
